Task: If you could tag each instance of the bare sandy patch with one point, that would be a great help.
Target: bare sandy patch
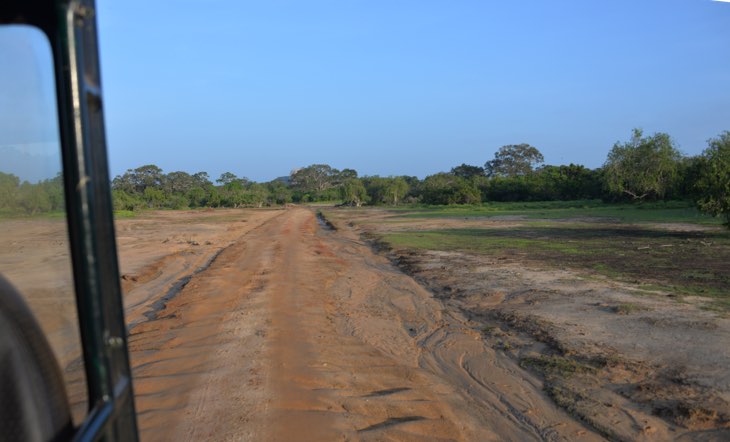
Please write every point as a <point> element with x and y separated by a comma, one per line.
<point>635,364</point>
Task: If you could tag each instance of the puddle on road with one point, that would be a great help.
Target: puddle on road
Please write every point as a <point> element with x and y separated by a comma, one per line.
<point>325,223</point>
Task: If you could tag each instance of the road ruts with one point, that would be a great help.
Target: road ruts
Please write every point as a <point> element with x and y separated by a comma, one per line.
<point>295,333</point>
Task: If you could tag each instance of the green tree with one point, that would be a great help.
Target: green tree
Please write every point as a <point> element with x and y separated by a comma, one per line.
<point>513,160</point>
<point>467,171</point>
<point>139,179</point>
<point>54,189</point>
<point>444,188</point>
<point>175,201</point>
<point>197,197</point>
<point>571,182</point>
<point>33,199</point>
<point>126,201</point>
<point>713,183</point>
<point>279,192</point>
<point>346,174</point>
<point>375,188</point>
<point>644,167</point>
<point>201,179</point>
<point>154,197</point>
<point>124,182</point>
<point>178,183</point>
<point>255,194</point>
<point>213,196</point>
<point>314,178</point>
<point>226,178</point>
<point>353,192</point>
<point>390,190</point>
<point>9,184</point>
<point>516,188</point>
<point>395,190</point>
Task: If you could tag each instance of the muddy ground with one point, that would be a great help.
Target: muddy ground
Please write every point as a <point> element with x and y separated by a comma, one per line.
<point>268,325</point>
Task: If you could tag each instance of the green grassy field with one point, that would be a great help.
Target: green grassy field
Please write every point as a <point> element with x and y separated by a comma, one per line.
<point>673,211</point>
<point>15,214</point>
<point>621,242</point>
<point>118,214</point>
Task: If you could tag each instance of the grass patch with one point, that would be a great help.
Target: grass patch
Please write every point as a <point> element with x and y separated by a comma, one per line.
<point>682,263</point>
<point>657,212</point>
<point>555,366</point>
<point>605,270</point>
<point>627,308</point>
<point>118,214</point>
<point>6,214</point>
<point>582,406</point>
<point>331,203</point>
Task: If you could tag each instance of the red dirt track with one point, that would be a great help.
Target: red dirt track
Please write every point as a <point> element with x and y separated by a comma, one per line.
<point>284,330</point>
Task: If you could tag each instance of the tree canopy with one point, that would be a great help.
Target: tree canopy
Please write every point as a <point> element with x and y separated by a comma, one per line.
<point>317,177</point>
<point>353,192</point>
<point>514,160</point>
<point>22,197</point>
<point>467,171</point>
<point>713,183</point>
<point>642,167</point>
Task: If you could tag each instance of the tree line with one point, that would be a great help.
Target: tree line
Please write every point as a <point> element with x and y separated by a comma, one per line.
<point>644,168</point>
<point>23,197</point>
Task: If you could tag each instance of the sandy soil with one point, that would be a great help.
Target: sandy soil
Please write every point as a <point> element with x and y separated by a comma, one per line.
<point>267,325</point>
<point>294,332</point>
<point>631,364</point>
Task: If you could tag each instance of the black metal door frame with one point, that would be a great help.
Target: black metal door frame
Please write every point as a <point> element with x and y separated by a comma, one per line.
<point>71,29</point>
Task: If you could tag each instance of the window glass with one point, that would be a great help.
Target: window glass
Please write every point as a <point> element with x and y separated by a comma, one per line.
<point>34,247</point>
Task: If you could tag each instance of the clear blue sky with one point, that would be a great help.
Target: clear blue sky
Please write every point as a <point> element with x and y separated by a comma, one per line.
<point>29,146</point>
<point>411,87</point>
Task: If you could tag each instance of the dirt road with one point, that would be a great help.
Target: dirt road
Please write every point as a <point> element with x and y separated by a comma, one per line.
<point>284,330</point>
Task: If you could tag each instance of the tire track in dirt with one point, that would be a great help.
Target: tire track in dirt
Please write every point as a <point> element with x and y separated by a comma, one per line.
<point>493,398</point>
<point>168,273</point>
<point>192,364</point>
<point>297,333</point>
<point>331,385</point>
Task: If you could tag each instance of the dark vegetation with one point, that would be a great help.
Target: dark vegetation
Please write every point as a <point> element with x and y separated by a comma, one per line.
<point>646,168</point>
<point>24,198</point>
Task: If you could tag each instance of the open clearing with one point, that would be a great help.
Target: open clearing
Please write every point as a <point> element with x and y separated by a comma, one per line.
<point>295,332</point>
<point>625,319</point>
<point>268,325</point>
